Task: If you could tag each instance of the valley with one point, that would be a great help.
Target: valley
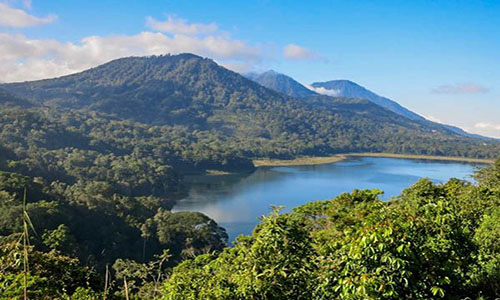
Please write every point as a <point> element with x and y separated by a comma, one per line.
<point>237,201</point>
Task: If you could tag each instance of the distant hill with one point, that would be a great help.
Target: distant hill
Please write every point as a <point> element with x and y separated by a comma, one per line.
<point>281,83</point>
<point>342,88</point>
<point>349,89</point>
<point>236,114</point>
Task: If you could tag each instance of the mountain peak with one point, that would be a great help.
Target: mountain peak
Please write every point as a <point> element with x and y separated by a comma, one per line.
<point>350,89</point>
<point>281,83</point>
<point>271,72</point>
<point>158,60</point>
<point>341,84</point>
<point>148,89</point>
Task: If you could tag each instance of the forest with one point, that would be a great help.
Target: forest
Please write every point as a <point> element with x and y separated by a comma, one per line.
<point>236,114</point>
<point>434,241</point>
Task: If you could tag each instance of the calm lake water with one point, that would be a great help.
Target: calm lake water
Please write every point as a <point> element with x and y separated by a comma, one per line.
<point>237,201</point>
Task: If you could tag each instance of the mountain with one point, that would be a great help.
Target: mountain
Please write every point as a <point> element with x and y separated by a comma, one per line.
<point>8,99</point>
<point>462,132</point>
<point>228,113</point>
<point>172,89</point>
<point>342,88</point>
<point>349,89</point>
<point>346,88</point>
<point>280,83</point>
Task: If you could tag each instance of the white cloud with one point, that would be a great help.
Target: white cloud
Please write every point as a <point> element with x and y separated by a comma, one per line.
<point>323,91</point>
<point>238,67</point>
<point>180,26</point>
<point>433,119</point>
<point>460,88</point>
<point>295,52</point>
<point>18,18</point>
<point>487,129</point>
<point>485,125</point>
<point>22,58</point>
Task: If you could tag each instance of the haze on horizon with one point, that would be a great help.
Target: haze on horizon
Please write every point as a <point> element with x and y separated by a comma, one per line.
<point>438,59</point>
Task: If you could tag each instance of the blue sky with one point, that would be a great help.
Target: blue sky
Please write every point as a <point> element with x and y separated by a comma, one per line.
<point>438,58</point>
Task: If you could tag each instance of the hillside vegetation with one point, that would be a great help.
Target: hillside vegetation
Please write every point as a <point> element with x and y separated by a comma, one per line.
<point>431,242</point>
<point>195,93</point>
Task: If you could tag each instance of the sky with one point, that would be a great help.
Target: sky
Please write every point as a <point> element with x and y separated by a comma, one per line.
<point>440,59</point>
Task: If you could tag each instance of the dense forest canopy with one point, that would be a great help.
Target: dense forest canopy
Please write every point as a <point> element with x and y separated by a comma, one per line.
<point>434,241</point>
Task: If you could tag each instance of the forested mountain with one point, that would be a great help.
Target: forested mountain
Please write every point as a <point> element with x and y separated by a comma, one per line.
<point>342,88</point>
<point>349,89</point>
<point>197,94</point>
<point>280,83</point>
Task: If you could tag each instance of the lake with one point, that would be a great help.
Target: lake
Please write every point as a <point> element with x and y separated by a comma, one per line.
<point>236,201</point>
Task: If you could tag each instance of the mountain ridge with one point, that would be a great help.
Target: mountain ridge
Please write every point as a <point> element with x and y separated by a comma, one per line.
<point>350,89</point>
<point>196,93</point>
<point>281,83</point>
<point>343,88</point>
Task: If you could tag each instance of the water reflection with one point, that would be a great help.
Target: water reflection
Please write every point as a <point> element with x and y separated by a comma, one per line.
<point>236,201</point>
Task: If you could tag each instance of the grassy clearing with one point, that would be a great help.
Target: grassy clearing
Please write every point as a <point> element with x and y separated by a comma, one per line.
<point>300,161</point>
<point>430,157</point>
<point>305,161</point>
<point>216,172</point>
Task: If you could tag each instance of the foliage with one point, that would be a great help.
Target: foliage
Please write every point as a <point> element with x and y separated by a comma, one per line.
<point>51,275</point>
<point>70,227</point>
<point>426,244</point>
<point>143,279</point>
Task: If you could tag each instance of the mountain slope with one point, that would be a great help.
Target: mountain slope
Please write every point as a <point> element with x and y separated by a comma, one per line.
<point>7,99</point>
<point>161,89</point>
<point>238,115</point>
<point>346,88</point>
<point>280,83</point>
<point>349,89</point>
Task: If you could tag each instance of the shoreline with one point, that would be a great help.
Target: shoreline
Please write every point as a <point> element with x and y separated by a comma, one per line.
<point>300,161</point>
<point>309,161</point>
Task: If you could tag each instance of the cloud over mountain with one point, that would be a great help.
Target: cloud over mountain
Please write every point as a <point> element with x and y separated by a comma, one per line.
<point>485,125</point>
<point>487,128</point>
<point>23,58</point>
<point>181,26</point>
<point>296,52</point>
<point>323,91</point>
